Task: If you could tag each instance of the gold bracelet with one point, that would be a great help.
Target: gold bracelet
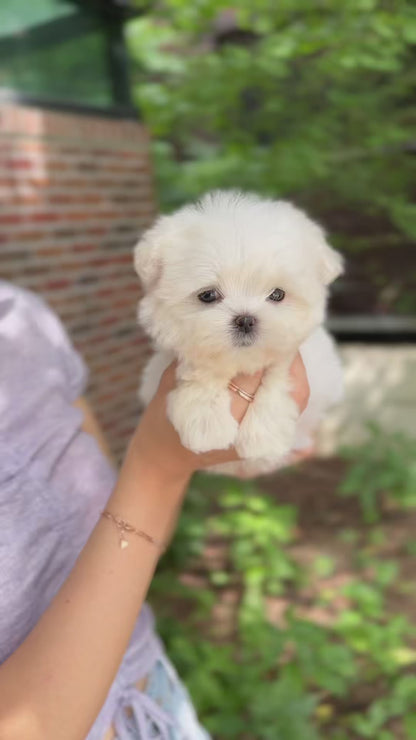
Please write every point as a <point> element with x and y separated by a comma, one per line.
<point>124,526</point>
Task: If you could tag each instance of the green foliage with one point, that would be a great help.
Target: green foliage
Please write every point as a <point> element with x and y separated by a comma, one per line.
<point>281,709</point>
<point>324,566</point>
<point>380,641</point>
<point>384,467</point>
<point>257,531</point>
<point>270,682</point>
<point>233,703</point>
<point>318,105</point>
<point>401,701</point>
<point>317,659</point>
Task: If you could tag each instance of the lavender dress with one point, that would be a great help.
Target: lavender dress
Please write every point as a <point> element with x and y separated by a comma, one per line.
<point>54,483</point>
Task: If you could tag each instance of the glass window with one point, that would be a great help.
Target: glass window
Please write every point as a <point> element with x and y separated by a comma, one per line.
<point>16,16</point>
<point>53,50</point>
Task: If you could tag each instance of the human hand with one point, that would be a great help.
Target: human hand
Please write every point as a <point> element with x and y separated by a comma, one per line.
<point>159,444</point>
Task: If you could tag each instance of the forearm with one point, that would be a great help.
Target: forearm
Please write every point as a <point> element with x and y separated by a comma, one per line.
<point>55,683</point>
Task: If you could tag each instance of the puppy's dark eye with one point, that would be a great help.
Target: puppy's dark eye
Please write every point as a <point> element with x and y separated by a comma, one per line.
<point>209,296</point>
<point>277,295</point>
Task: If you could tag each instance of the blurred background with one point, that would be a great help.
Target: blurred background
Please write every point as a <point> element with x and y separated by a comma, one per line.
<point>288,603</point>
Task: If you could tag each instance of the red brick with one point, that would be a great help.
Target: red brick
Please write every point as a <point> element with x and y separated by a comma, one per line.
<point>108,320</point>
<point>11,218</point>
<point>40,182</point>
<point>105,291</point>
<point>56,284</point>
<point>61,198</point>
<point>86,247</point>
<point>48,216</point>
<point>24,200</point>
<point>81,188</point>
<point>96,230</point>
<point>7,182</point>
<point>48,251</point>
<point>30,236</point>
<point>18,164</point>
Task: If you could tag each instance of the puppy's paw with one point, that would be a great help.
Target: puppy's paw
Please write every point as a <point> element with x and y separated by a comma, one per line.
<point>202,418</point>
<point>269,427</point>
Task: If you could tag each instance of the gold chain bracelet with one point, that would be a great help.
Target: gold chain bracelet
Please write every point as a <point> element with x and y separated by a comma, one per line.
<point>124,526</point>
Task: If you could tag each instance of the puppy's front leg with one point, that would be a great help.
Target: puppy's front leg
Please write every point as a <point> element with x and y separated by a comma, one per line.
<point>199,409</point>
<point>269,427</point>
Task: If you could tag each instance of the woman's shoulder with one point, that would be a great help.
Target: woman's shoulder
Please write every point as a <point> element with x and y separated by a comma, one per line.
<point>26,316</point>
<point>35,344</point>
<point>22,310</point>
<point>14,299</point>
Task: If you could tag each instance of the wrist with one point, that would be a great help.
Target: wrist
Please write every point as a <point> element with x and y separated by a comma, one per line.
<point>146,495</point>
<point>161,467</point>
<point>147,503</point>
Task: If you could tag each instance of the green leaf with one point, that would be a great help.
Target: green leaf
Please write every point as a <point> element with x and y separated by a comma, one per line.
<point>410,726</point>
<point>324,566</point>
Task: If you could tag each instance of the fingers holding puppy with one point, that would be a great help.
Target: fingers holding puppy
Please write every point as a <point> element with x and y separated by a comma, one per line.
<point>300,385</point>
<point>250,383</point>
<point>163,433</point>
<point>247,384</point>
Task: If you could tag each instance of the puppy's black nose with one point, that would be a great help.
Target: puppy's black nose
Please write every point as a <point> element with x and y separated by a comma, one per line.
<point>245,324</point>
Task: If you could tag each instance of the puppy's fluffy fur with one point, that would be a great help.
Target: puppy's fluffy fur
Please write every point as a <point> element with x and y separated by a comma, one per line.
<point>241,248</point>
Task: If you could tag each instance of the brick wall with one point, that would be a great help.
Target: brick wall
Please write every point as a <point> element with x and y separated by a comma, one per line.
<point>75,193</point>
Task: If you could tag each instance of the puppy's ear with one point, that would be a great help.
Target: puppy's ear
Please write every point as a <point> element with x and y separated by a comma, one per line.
<point>148,255</point>
<point>331,262</point>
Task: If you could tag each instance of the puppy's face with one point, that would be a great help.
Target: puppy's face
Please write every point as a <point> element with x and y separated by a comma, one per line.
<point>234,276</point>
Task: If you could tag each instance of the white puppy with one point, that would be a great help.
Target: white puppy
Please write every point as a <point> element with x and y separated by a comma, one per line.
<point>235,283</point>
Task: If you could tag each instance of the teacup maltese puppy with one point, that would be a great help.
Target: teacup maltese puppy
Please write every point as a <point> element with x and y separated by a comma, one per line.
<point>235,283</point>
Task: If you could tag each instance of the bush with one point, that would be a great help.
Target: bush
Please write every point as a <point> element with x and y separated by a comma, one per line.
<point>381,470</point>
<point>314,102</point>
<point>295,681</point>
